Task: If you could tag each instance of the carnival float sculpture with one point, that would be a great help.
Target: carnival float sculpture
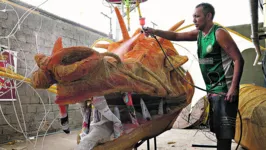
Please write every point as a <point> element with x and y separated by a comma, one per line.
<point>251,128</point>
<point>144,77</point>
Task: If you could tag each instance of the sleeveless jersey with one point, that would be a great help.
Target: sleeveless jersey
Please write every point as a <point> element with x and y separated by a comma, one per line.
<point>216,66</point>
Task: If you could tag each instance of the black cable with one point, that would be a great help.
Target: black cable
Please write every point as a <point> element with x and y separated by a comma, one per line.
<point>241,129</point>
<point>208,91</point>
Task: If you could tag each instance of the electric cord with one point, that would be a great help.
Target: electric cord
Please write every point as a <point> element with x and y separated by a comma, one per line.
<point>241,129</point>
<point>208,91</point>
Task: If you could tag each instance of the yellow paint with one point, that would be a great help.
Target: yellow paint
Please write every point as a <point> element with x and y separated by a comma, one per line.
<point>10,74</point>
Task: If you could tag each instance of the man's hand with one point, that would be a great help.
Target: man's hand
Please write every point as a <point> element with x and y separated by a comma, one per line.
<point>148,31</point>
<point>231,95</point>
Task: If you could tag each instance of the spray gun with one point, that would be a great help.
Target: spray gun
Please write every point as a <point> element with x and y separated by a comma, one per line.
<point>142,21</point>
<point>144,29</point>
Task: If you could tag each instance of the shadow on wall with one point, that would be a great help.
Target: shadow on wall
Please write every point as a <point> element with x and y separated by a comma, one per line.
<point>251,74</point>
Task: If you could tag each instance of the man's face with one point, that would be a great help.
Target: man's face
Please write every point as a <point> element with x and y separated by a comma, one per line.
<point>199,18</point>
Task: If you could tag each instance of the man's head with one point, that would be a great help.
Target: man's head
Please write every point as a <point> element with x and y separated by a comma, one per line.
<point>203,15</point>
<point>207,8</point>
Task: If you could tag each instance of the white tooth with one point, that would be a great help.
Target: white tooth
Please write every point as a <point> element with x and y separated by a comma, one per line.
<point>118,129</point>
<point>145,111</point>
<point>160,109</point>
<point>101,105</point>
<point>116,112</point>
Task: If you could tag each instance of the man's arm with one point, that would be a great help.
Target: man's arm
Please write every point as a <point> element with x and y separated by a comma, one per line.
<point>228,44</point>
<point>174,36</point>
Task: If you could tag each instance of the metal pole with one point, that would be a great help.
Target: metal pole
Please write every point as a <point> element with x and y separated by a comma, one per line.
<point>155,144</point>
<point>206,146</point>
<point>264,13</point>
<point>263,55</point>
<point>148,144</point>
<point>110,20</point>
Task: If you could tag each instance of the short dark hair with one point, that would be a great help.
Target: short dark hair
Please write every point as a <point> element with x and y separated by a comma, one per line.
<point>207,8</point>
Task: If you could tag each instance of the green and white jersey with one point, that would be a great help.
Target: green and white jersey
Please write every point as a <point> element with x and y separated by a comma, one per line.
<point>216,66</point>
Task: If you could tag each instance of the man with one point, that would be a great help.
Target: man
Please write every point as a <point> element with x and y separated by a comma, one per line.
<point>221,65</point>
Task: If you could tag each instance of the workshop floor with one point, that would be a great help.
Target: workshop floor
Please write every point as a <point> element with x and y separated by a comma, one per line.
<point>174,139</point>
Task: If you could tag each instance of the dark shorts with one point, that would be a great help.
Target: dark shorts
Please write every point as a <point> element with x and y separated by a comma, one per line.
<point>223,116</point>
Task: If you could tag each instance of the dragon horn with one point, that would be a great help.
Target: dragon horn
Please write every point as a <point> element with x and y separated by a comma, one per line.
<point>104,46</point>
<point>177,25</point>
<point>122,25</point>
<point>58,45</point>
<point>173,28</point>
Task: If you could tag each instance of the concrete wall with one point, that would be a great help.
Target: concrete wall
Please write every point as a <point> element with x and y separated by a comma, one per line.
<point>36,33</point>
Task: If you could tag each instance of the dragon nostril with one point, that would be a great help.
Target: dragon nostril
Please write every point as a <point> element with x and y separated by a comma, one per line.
<point>75,57</point>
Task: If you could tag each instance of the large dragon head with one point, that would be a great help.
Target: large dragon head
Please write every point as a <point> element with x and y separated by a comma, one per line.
<point>135,64</point>
<point>138,65</point>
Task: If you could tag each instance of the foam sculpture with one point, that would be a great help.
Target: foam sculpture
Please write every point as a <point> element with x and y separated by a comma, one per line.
<point>252,107</point>
<point>158,88</point>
